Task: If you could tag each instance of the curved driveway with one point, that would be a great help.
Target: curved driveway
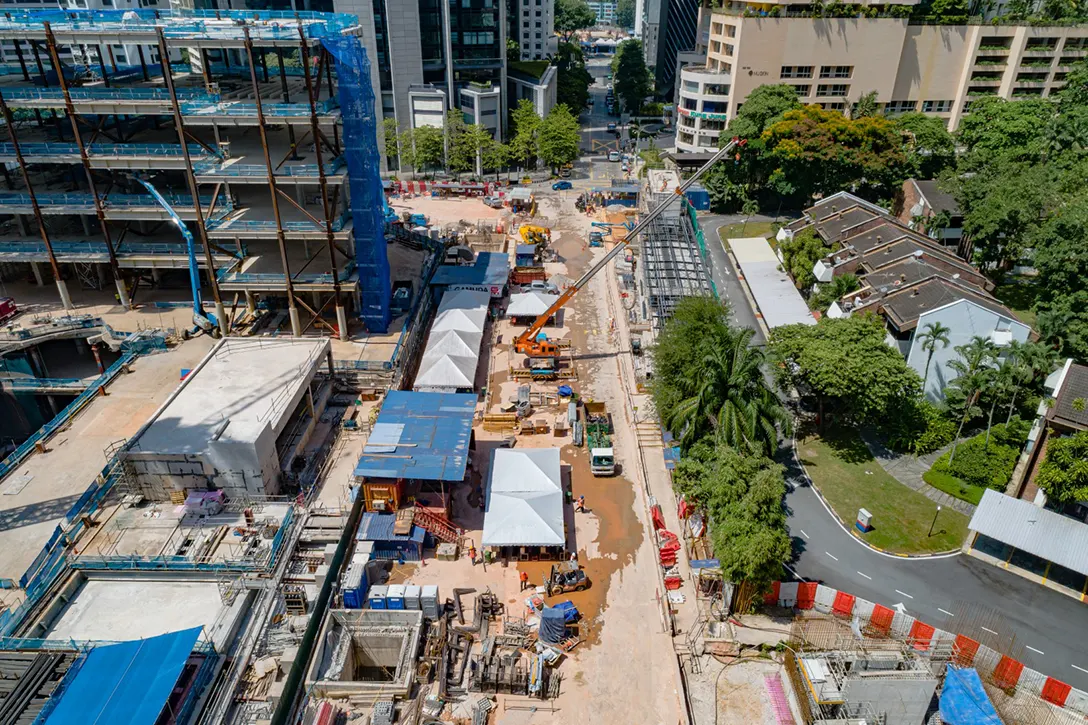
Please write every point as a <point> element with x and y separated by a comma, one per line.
<point>1044,629</point>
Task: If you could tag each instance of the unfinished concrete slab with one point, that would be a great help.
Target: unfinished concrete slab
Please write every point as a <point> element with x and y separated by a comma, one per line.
<point>366,654</point>
<point>121,609</point>
<point>48,484</point>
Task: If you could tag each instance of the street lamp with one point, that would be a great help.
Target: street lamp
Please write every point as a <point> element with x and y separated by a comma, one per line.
<point>933,522</point>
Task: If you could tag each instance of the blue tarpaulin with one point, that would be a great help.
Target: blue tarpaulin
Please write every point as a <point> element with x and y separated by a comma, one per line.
<point>127,683</point>
<point>388,545</point>
<point>490,269</point>
<point>553,625</point>
<point>420,436</point>
<point>964,701</point>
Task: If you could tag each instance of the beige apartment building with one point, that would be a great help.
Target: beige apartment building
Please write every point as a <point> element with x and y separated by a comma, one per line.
<point>935,69</point>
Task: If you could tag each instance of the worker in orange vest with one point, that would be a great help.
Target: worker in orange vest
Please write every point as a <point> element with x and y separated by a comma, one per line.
<point>524,581</point>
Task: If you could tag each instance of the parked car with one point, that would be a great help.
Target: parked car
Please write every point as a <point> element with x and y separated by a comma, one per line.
<point>539,285</point>
<point>614,156</point>
<point>561,185</point>
<point>611,126</point>
<point>493,201</point>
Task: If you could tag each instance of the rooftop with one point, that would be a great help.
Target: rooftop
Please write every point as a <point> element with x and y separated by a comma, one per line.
<point>422,436</point>
<point>778,299</point>
<point>524,499</point>
<point>1033,529</point>
<point>889,254</point>
<point>938,200</point>
<point>1074,387</point>
<point>490,268</point>
<point>240,388</point>
<point>905,305</point>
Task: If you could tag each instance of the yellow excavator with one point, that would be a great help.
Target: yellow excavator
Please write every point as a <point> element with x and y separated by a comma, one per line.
<point>535,235</point>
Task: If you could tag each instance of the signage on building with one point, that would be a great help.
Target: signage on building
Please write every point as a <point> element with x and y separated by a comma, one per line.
<point>704,115</point>
<point>493,290</point>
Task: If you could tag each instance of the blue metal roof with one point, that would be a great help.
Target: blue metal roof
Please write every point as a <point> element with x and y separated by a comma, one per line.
<point>490,268</point>
<point>422,436</point>
<point>379,527</point>
<point>127,683</point>
<point>616,189</point>
<point>525,249</point>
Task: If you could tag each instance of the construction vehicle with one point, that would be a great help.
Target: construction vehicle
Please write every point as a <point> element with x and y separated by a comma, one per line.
<point>529,342</point>
<point>8,309</point>
<point>566,577</point>
<point>596,239</point>
<point>535,235</point>
<point>602,458</point>
<point>203,321</point>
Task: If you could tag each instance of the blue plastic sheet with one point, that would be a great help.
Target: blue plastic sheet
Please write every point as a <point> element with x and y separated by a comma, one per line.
<point>553,625</point>
<point>964,701</point>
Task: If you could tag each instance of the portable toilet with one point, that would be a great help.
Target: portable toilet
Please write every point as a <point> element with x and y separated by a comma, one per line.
<point>395,597</point>
<point>377,597</point>
<point>429,601</point>
<point>355,581</point>
<point>411,596</point>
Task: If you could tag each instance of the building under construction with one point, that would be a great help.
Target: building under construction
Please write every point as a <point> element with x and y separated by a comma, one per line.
<point>249,134</point>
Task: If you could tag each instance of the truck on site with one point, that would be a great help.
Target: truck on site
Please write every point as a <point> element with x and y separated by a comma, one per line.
<point>530,342</point>
<point>602,457</point>
<point>8,309</point>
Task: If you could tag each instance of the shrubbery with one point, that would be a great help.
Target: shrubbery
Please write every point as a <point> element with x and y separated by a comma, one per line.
<point>920,428</point>
<point>989,465</point>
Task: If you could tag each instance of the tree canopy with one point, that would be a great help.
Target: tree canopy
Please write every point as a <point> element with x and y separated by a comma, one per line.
<point>1063,474</point>
<point>526,133</point>
<point>930,148</point>
<point>631,76</point>
<point>800,255</point>
<point>572,16</point>
<point>846,365</point>
<point>573,80</point>
<point>560,136</point>
<point>625,13</point>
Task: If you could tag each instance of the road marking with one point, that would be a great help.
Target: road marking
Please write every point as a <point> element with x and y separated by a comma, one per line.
<point>904,594</point>
<point>1033,649</point>
<point>1079,668</point>
<point>865,575</point>
<point>803,533</point>
<point>987,629</point>
<point>946,612</point>
<point>832,555</point>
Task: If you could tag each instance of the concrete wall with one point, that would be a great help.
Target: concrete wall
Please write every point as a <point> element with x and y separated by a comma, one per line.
<point>966,320</point>
<point>900,701</point>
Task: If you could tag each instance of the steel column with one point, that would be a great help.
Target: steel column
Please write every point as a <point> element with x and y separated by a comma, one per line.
<point>102,65</point>
<point>168,79</point>
<point>51,44</point>
<point>281,240</point>
<point>341,313</point>
<point>286,99</point>
<point>22,61</point>
<point>143,63</point>
<point>62,285</point>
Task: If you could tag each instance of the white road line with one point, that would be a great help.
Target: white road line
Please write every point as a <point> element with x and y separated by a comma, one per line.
<point>865,575</point>
<point>987,629</point>
<point>832,555</point>
<point>1079,668</point>
<point>1033,649</point>
<point>904,594</point>
<point>946,612</point>
<point>803,533</point>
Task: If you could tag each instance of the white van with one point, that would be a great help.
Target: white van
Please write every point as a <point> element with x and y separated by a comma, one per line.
<point>614,156</point>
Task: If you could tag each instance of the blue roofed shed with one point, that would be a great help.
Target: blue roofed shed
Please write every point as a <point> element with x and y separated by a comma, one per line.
<point>381,529</point>
<point>124,684</point>
<point>420,436</point>
<point>490,270</point>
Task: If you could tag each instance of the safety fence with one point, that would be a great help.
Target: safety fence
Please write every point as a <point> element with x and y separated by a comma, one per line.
<point>249,110</point>
<point>91,251</point>
<point>1001,669</point>
<point>243,226</point>
<point>119,95</point>
<point>65,203</point>
<point>274,278</point>
<point>36,151</point>
<point>61,324</point>
<point>65,416</point>
<point>334,167</point>
<point>708,261</point>
<point>31,385</point>
<point>370,366</point>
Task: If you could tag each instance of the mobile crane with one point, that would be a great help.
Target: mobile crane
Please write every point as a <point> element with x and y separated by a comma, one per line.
<point>527,343</point>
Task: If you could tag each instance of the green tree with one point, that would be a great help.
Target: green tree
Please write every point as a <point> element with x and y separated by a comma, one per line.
<point>625,13</point>
<point>524,146</point>
<point>429,144</point>
<point>496,156</point>
<point>932,335</point>
<point>632,77</point>
<point>477,139</point>
<point>513,51</point>
<point>865,107</point>
<point>572,16</point>
<point>460,146</point>
<point>996,128</point>
<point>560,136</point>
<point>1061,259</point>
<point>763,106</point>
<point>391,136</point>
<point>406,150</point>
<point>839,286</point>
<point>974,371</point>
<point>846,366</point>
<point>817,152</point>
<point>800,255</point>
<point>1063,474</point>
<point>949,12</point>
<point>572,78</point>
<point>1074,94</point>
<point>930,148</point>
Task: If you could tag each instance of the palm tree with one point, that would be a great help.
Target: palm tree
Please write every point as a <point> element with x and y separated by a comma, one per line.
<point>974,372</point>
<point>933,334</point>
<point>731,398</point>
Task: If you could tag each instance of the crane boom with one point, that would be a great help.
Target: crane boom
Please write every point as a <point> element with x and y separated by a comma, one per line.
<point>525,342</point>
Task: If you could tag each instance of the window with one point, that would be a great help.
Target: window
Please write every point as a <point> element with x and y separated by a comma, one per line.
<point>690,104</point>
<point>488,112</point>
<point>803,90</point>
<point>468,102</point>
<point>716,89</point>
<point>836,71</point>
<point>796,71</point>
<point>715,107</point>
<point>832,89</point>
<point>691,86</point>
<point>715,46</point>
<point>834,106</point>
<point>936,106</point>
<point>730,31</point>
<point>713,125</point>
<point>538,24</point>
<point>728,49</point>
<point>900,106</point>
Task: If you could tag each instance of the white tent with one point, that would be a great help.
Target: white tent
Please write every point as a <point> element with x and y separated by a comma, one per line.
<point>529,304</point>
<point>524,499</point>
<point>462,310</point>
<point>453,346</point>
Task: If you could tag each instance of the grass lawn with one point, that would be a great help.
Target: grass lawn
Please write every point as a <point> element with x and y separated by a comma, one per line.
<point>754,229</point>
<point>849,478</point>
<point>954,486</point>
<point>1019,295</point>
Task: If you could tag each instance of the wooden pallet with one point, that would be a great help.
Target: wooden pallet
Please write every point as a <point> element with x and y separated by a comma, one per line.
<point>402,526</point>
<point>500,422</point>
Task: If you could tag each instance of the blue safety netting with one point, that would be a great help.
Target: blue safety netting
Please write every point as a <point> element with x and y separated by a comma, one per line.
<point>964,701</point>
<point>125,684</point>
<point>361,154</point>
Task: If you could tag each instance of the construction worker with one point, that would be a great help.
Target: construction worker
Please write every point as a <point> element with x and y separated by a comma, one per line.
<point>472,555</point>
<point>580,504</point>
<point>524,581</point>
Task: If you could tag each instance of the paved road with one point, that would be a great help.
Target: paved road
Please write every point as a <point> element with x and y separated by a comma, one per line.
<point>725,276</point>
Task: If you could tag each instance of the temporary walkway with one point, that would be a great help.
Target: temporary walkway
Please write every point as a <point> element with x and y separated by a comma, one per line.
<point>778,300</point>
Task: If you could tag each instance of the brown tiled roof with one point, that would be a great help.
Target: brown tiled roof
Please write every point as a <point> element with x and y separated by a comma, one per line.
<point>879,260</point>
<point>938,200</point>
<point>1073,387</point>
<point>877,236</point>
<point>905,305</point>
<point>832,226</point>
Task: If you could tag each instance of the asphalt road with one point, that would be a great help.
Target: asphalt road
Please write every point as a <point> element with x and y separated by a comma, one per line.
<point>725,276</point>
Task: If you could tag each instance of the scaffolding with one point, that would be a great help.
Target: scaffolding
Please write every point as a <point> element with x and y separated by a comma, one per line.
<point>672,266</point>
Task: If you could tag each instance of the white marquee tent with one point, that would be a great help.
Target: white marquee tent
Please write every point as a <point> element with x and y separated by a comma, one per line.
<point>524,499</point>
<point>529,304</point>
<point>453,346</point>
